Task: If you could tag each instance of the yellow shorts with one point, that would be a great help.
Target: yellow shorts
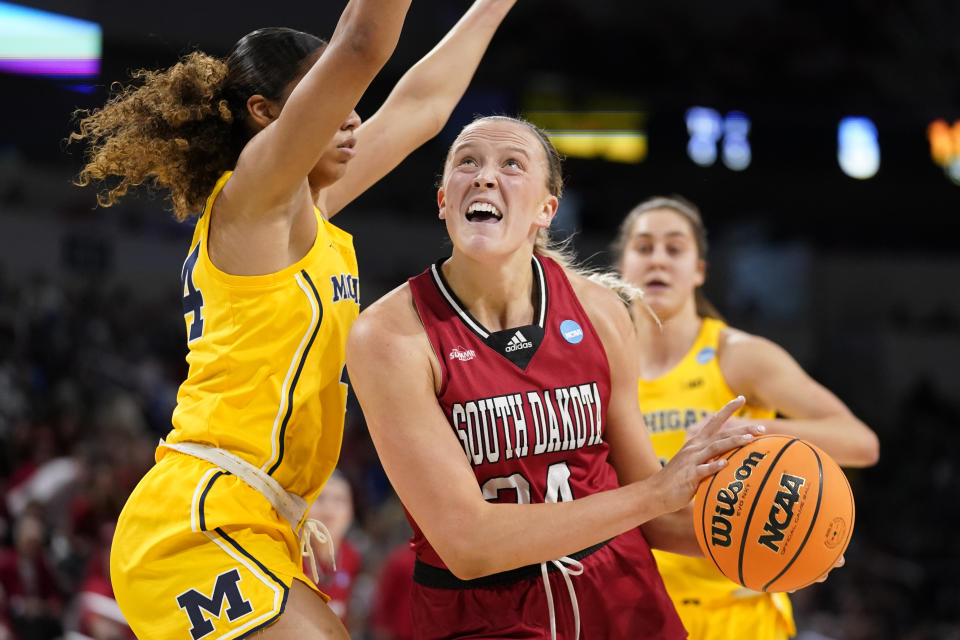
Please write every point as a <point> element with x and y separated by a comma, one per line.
<point>757,618</point>
<point>714,608</point>
<point>198,553</point>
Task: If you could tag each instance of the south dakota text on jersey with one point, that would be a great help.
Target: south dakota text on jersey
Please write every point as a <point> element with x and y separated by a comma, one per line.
<point>560,419</point>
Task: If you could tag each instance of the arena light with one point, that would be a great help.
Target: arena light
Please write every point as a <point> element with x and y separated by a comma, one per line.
<point>705,128</point>
<point>736,144</point>
<point>945,147</point>
<point>708,130</point>
<point>858,149</point>
<point>41,43</point>
<point>616,136</point>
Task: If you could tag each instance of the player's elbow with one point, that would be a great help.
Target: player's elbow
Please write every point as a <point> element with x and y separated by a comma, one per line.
<point>861,447</point>
<point>368,48</point>
<point>465,553</point>
<point>465,561</point>
<point>869,451</point>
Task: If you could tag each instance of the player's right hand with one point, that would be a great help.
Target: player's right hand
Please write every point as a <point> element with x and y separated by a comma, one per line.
<point>702,456</point>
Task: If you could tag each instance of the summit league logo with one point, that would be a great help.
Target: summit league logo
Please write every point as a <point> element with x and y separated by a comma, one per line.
<point>461,354</point>
<point>517,342</point>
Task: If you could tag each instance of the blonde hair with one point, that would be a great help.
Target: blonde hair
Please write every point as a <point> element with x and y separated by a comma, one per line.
<point>562,251</point>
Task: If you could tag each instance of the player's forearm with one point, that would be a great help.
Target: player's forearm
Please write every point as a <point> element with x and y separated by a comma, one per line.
<point>673,532</point>
<point>440,78</point>
<point>371,27</point>
<point>845,438</point>
<point>499,537</point>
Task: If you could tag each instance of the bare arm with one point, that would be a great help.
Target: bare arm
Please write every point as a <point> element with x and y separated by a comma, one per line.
<point>768,376</point>
<point>419,105</point>
<point>273,167</point>
<point>393,375</point>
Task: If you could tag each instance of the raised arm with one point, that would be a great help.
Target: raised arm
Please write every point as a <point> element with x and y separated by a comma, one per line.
<point>274,165</point>
<point>768,376</point>
<point>419,105</point>
<point>393,375</point>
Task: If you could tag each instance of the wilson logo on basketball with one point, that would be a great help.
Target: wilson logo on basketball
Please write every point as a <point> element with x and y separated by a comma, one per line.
<point>461,354</point>
<point>781,512</point>
<point>727,499</point>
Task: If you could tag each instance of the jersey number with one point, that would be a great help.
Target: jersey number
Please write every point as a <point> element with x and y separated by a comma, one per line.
<point>192,298</point>
<point>558,485</point>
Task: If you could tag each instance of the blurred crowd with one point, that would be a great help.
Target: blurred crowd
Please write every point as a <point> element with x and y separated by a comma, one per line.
<point>88,380</point>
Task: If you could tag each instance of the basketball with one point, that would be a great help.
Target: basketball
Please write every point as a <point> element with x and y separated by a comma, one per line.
<point>777,517</point>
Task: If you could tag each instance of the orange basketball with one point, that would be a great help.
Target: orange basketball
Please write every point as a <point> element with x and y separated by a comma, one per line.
<point>777,517</point>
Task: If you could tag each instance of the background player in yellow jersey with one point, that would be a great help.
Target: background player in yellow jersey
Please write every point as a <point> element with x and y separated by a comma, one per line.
<point>691,367</point>
<point>260,143</point>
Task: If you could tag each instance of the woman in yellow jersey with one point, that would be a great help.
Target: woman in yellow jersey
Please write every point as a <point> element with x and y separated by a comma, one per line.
<point>265,145</point>
<point>693,365</point>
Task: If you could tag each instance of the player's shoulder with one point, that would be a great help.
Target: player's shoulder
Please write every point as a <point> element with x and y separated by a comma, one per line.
<point>591,292</point>
<point>387,319</point>
<point>738,350</point>
<point>604,306</point>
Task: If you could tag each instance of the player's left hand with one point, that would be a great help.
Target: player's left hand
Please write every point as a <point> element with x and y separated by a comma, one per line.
<point>840,562</point>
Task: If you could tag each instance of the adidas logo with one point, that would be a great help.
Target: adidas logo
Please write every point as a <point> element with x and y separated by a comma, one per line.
<point>517,342</point>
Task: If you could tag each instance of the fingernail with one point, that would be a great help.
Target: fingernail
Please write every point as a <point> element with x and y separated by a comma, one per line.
<point>747,436</point>
<point>761,428</point>
<point>722,462</point>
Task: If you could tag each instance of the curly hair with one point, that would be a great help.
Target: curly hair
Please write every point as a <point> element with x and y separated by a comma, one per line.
<point>179,129</point>
<point>167,130</point>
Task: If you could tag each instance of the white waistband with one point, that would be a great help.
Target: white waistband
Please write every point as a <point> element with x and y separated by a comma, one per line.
<point>290,506</point>
<point>575,569</point>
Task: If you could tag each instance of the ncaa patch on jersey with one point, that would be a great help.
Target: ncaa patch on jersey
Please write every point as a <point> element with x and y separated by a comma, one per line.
<point>571,331</point>
<point>706,355</point>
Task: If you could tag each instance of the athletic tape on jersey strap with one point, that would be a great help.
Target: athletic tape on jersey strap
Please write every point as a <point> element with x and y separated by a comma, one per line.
<point>290,506</point>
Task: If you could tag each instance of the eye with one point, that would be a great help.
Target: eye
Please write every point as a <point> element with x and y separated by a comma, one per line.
<point>675,250</point>
<point>513,163</point>
<point>467,160</point>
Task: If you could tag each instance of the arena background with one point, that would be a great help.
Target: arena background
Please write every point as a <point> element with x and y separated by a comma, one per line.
<point>857,278</point>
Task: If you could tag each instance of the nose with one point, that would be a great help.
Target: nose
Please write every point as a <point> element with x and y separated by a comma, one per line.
<point>484,179</point>
<point>351,123</point>
<point>659,255</point>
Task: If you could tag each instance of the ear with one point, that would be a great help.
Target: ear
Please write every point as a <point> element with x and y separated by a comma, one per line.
<point>262,110</point>
<point>547,212</point>
<point>701,274</point>
<point>441,204</point>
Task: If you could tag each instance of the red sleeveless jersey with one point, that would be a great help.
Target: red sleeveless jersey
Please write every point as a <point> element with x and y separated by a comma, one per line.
<point>528,406</point>
<point>528,403</point>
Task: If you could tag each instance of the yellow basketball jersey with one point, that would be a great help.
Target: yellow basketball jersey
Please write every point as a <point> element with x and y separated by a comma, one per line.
<point>673,402</point>
<point>687,393</point>
<point>266,357</point>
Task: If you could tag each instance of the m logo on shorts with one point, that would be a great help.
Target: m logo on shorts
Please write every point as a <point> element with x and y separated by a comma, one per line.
<point>195,603</point>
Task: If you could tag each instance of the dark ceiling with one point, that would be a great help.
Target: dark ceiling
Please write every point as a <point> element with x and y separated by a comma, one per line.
<point>796,68</point>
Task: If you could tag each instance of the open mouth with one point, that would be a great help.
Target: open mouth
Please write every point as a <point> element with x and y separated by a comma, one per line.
<point>349,143</point>
<point>655,283</point>
<point>483,212</point>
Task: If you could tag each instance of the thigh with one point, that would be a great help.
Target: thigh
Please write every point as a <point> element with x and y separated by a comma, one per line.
<point>306,616</point>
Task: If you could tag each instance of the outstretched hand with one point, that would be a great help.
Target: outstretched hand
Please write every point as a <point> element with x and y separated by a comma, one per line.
<point>701,456</point>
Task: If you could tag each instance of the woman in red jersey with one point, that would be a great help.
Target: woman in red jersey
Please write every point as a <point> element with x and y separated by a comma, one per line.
<point>500,391</point>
